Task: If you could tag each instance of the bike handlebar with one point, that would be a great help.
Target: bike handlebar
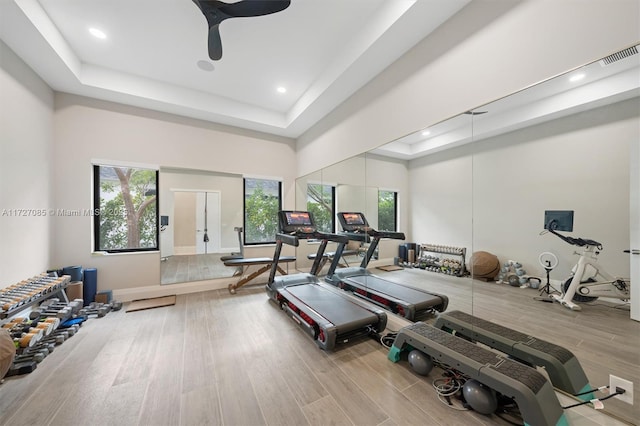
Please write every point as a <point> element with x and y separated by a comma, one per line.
<point>580,242</point>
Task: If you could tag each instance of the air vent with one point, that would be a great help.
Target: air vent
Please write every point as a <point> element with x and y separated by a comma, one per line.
<point>618,56</point>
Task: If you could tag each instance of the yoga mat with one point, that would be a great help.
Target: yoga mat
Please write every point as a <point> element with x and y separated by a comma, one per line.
<point>90,285</point>
<point>156,302</point>
<point>390,268</point>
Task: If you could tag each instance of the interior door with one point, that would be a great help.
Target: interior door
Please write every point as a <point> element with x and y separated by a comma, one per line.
<point>208,222</point>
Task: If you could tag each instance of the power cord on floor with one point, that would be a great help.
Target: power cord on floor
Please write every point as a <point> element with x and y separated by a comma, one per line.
<point>619,391</point>
<point>388,339</point>
<point>601,388</point>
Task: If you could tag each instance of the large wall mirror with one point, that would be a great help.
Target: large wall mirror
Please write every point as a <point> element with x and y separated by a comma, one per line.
<point>483,181</point>
<point>201,213</point>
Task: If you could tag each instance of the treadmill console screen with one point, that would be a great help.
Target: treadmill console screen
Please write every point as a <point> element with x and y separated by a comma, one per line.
<point>291,221</point>
<point>352,221</point>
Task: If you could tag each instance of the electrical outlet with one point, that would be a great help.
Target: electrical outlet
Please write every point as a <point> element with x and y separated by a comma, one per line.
<point>615,382</point>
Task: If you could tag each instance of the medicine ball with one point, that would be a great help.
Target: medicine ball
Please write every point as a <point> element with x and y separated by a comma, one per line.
<point>484,265</point>
<point>480,397</point>
<point>420,363</point>
<point>7,352</point>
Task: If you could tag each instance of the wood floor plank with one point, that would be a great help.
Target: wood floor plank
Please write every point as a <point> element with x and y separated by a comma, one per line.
<point>147,325</point>
<point>424,396</point>
<point>354,402</point>
<point>88,396</point>
<point>326,411</point>
<point>160,406</point>
<point>276,399</point>
<point>200,407</point>
<point>374,356</point>
<point>396,405</point>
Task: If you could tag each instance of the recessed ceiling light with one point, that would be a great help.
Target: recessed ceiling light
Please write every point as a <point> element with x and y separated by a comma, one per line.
<point>577,77</point>
<point>426,133</point>
<point>282,89</point>
<point>97,33</point>
<point>205,65</point>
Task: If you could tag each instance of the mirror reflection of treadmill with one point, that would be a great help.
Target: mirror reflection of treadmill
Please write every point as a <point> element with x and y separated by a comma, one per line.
<point>407,301</point>
<point>328,315</point>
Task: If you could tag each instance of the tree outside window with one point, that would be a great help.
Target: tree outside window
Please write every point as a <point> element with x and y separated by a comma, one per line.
<point>125,209</point>
<point>321,204</point>
<point>387,210</point>
<point>262,201</point>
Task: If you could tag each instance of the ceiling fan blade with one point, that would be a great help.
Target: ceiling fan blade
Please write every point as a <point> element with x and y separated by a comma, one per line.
<point>215,44</point>
<point>216,11</point>
<point>248,8</point>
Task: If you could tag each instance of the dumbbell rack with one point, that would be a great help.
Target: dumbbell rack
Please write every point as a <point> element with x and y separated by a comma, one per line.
<point>32,291</point>
<point>426,259</point>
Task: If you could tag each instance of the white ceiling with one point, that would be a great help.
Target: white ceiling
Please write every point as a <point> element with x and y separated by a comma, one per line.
<point>322,51</point>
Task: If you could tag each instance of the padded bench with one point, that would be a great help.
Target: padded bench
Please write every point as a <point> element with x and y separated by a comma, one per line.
<point>264,263</point>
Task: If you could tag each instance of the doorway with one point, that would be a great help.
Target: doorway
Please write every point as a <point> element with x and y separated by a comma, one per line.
<point>197,226</point>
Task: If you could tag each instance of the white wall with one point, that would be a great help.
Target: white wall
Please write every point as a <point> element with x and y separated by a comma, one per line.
<point>87,129</point>
<point>492,195</point>
<point>26,124</point>
<point>488,50</point>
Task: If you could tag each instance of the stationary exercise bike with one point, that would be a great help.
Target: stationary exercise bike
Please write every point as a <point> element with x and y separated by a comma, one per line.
<point>587,281</point>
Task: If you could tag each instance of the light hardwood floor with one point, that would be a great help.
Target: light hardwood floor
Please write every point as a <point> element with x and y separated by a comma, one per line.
<point>216,358</point>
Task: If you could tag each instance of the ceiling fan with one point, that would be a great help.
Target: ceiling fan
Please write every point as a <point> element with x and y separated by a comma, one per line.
<point>217,11</point>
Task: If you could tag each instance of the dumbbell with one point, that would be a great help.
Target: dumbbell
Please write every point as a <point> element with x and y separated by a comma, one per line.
<point>31,356</point>
<point>27,340</point>
<point>18,369</point>
<point>100,311</point>
<point>62,313</point>
<point>75,305</point>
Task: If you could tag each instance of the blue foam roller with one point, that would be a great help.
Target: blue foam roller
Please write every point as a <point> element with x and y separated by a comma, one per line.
<point>74,271</point>
<point>90,285</point>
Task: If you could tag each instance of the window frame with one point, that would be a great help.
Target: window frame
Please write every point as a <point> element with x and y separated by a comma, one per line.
<point>244,208</point>
<point>96,211</point>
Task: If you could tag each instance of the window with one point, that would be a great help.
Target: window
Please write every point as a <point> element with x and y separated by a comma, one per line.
<point>321,204</point>
<point>387,210</point>
<point>262,201</point>
<point>125,209</point>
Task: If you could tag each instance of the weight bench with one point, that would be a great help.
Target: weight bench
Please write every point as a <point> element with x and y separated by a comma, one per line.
<point>264,263</point>
<point>329,256</point>
<point>530,390</point>
<point>563,368</point>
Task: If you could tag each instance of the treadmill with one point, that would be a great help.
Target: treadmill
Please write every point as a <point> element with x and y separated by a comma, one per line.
<point>409,302</point>
<point>328,315</point>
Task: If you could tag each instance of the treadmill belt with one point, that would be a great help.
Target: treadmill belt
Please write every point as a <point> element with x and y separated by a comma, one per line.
<point>392,289</point>
<point>330,305</point>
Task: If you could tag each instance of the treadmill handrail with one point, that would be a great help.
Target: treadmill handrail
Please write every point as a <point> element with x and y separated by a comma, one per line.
<point>293,238</point>
<point>288,239</point>
<point>386,234</point>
